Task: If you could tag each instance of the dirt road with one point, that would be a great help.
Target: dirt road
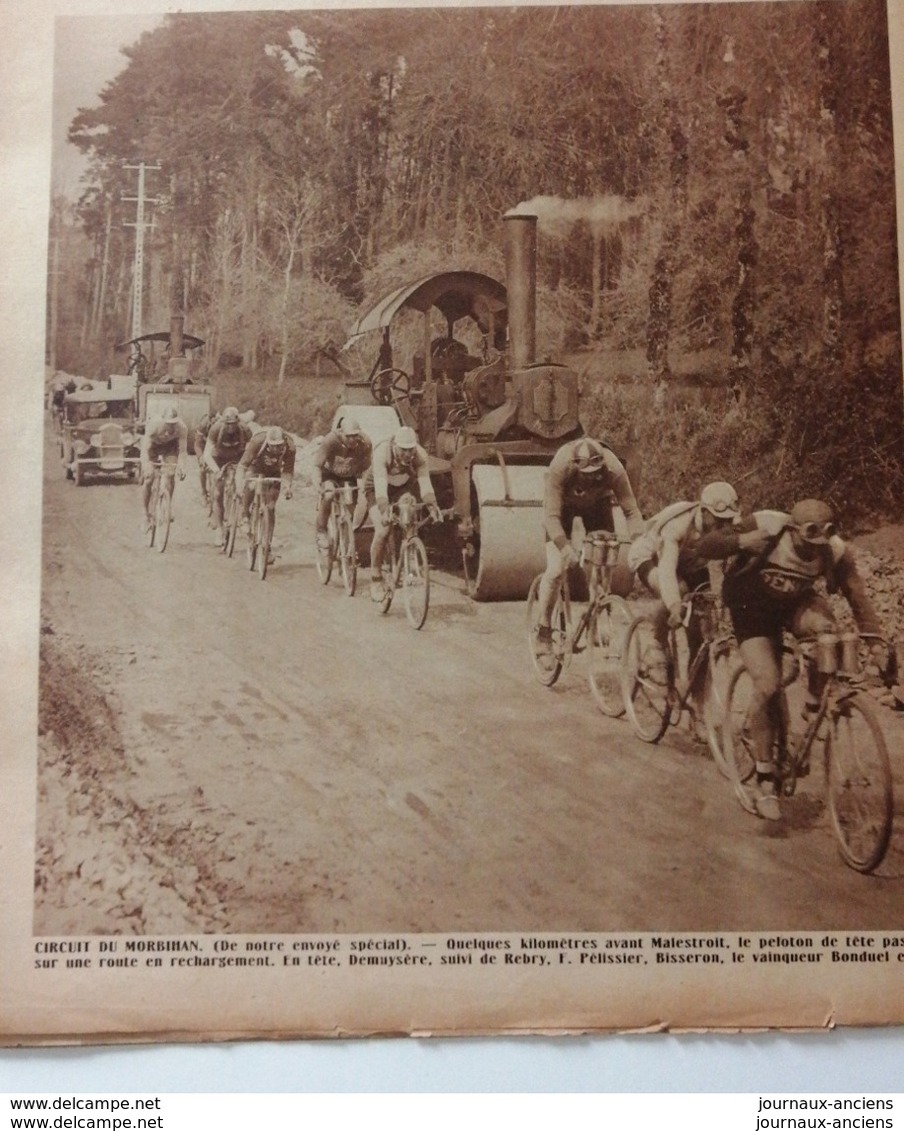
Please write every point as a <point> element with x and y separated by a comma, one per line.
<point>222,754</point>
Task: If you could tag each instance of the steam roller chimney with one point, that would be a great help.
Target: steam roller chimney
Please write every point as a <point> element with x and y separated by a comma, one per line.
<point>521,284</point>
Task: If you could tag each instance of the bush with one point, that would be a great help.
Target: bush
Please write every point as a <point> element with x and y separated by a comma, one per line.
<point>304,408</point>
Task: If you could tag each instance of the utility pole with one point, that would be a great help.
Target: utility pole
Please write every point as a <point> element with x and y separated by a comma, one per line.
<point>139,225</point>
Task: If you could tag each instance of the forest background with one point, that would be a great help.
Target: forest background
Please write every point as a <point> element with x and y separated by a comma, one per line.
<point>715,188</point>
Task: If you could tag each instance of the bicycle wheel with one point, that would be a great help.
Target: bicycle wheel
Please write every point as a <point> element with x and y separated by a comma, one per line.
<point>646,681</point>
<point>415,581</point>
<point>164,517</point>
<point>254,533</point>
<point>859,784</point>
<point>231,513</point>
<point>348,558</point>
<point>263,551</point>
<point>606,634</point>
<point>548,663</point>
<point>151,532</point>
<point>326,555</point>
<point>737,761</point>
<point>391,568</point>
<point>715,703</point>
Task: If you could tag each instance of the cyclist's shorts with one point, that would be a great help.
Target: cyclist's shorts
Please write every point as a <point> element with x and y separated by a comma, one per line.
<point>596,516</point>
<point>327,477</point>
<point>169,449</point>
<point>754,614</point>
<point>395,493</point>
<point>643,549</point>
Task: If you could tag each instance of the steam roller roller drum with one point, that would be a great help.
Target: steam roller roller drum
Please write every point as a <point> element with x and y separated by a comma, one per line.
<point>512,549</point>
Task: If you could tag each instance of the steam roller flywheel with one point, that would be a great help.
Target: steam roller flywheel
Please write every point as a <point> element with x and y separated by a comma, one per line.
<point>512,553</point>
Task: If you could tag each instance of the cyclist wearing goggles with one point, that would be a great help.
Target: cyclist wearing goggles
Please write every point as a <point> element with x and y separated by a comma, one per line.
<point>225,445</point>
<point>664,557</point>
<point>399,465</point>
<point>771,589</point>
<point>343,457</point>
<point>166,439</point>
<point>583,480</point>
<point>271,453</point>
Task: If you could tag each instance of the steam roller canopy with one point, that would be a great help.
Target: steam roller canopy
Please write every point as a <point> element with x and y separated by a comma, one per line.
<point>512,549</point>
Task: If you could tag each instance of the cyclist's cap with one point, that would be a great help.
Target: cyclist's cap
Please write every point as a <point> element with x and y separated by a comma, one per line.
<point>230,415</point>
<point>275,436</point>
<point>170,412</point>
<point>405,438</point>
<point>588,455</point>
<point>813,520</point>
<point>720,499</point>
<point>350,427</point>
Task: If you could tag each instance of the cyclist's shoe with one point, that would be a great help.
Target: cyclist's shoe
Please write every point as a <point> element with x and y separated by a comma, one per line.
<point>219,538</point>
<point>271,558</point>
<point>146,524</point>
<point>544,640</point>
<point>766,802</point>
<point>377,592</point>
<point>323,540</point>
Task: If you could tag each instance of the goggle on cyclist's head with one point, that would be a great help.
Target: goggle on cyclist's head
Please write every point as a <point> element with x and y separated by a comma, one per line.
<point>720,500</point>
<point>813,522</point>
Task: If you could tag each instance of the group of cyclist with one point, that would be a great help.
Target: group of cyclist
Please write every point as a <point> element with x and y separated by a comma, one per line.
<point>222,441</point>
<point>770,562</point>
<point>382,473</point>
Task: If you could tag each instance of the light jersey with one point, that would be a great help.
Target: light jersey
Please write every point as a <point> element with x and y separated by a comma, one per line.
<point>784,573</point>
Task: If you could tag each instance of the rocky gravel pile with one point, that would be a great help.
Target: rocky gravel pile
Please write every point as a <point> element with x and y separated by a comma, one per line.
<point>102,864</point>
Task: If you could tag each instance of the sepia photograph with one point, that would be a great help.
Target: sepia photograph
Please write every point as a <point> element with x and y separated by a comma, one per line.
<point>469,571</point>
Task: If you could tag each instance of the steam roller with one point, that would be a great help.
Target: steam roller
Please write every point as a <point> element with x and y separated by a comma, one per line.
<point>490,413</point>
<point>510,523</point>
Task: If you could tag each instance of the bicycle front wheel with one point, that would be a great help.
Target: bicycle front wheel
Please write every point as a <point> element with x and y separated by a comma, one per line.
<point>646,681</point>
<point>415,581</point>
<point>326,554</point>
<point>859,783</point>
<point>164,518</point>
<point>266,537</point>
<point>254,534</point>
<point>232,525</point>
<point>737,762</point>
<point>547,657</point>
<point>151,533</point>
<point>348,558</point>
<point>391,566</point>
<point>606,633</point>
<point>715,705</point>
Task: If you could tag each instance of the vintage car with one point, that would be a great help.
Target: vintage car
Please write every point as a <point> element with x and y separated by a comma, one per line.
<point>99,435</point>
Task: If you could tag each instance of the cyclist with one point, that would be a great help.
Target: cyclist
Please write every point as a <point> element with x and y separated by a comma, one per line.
<point>343,456</point>
<point>271,453</point>
<point>769,587</point>
<point>167,439</point>
<point>581,482</point>
<point>664,557</point>
<point>399,465</point>
<point>225,445</point>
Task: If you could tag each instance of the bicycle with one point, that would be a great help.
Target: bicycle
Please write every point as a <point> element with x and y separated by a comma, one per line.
<point>340,529</point>
<point>260,526</point>
<point>600,629</point>
<point>660,682</point>
<point>405,563</point>
<point>856,764</point>
<point>161,504</point>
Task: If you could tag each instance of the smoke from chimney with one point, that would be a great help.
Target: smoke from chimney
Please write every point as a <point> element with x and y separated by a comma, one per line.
<point>603,214</point>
